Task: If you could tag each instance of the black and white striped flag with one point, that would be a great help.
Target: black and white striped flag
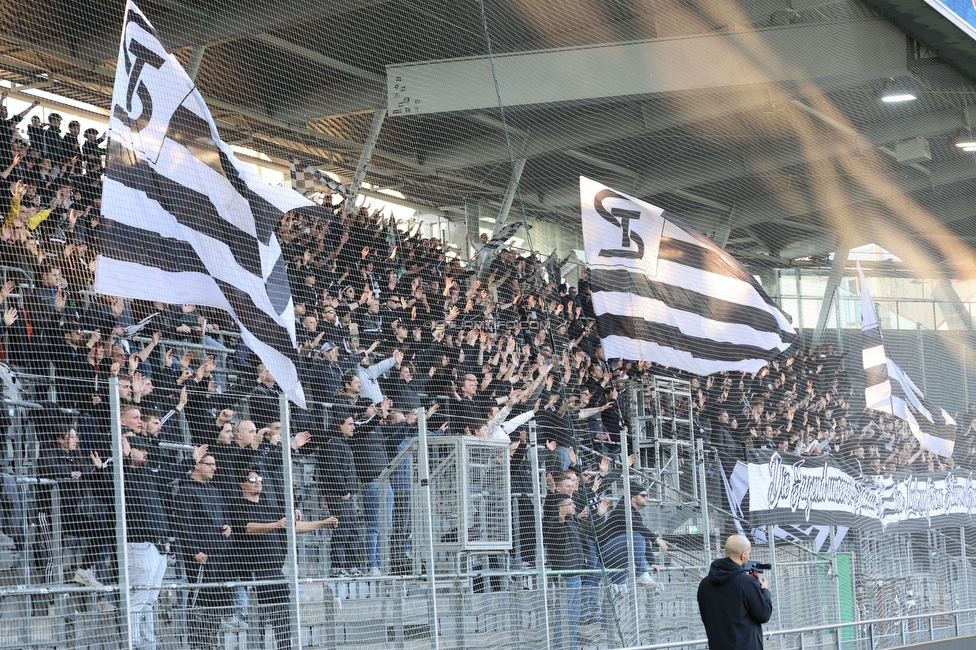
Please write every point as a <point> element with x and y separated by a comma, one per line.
<point>306,179</point>
<point>664,292</point>
<point>185,221</point>
<point>889,390</point>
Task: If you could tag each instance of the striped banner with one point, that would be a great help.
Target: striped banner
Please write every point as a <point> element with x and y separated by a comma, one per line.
<point>901,398</point>
<point>664,292</point>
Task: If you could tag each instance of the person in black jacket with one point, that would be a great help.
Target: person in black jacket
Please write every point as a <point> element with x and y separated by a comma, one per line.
<point>337,480</point>
<point>81,482</point>
<point>614,538</point>
<point>732,603</point>
<point>148,536</point>
<point>564,552</point>
<point>371,455</point>
<point>204,532</point>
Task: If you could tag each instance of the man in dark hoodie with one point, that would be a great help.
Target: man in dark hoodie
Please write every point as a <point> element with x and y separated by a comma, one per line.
<point>733,604</point>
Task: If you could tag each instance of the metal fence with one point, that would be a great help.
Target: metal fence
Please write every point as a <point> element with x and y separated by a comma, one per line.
<point>461,565</point>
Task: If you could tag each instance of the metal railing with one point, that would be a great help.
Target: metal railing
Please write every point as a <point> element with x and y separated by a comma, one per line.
<point>866,635</point>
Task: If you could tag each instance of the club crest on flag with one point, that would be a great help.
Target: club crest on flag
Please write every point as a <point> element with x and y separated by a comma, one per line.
<point>664,292</point>
<point>154,87</point>
<point>618,230</point>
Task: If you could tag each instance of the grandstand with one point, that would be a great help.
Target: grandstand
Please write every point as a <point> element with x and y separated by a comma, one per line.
<point>160,489</point>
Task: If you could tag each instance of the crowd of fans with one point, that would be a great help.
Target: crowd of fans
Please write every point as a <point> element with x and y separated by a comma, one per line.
<point>388,322</point>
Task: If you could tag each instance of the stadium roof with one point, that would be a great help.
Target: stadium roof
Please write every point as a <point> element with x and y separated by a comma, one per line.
<point>760,121</point>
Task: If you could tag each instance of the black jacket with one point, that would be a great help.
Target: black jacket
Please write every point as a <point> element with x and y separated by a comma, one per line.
<point>733,607</point>
<point>337,469</point>
<point>564,550</point>
<point>199,520</point>
<point>146,518</point>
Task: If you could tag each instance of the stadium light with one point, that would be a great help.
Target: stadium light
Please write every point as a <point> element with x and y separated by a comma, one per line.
<point>894,93</point>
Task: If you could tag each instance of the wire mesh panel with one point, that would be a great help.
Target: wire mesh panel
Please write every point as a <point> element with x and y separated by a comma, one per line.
<point>425,324</point>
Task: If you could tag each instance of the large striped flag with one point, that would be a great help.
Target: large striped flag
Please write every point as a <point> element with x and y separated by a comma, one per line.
<point>901,398</point>
<point>664,292</point>
<point>185,221</point>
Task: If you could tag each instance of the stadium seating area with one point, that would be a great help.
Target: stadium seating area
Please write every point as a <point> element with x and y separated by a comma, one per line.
<point>387,322</point>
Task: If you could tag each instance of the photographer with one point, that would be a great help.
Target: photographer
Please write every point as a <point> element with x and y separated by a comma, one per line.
<point>734,603</point>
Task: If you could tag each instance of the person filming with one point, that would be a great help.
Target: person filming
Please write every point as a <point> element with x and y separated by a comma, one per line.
<point>734,603</point>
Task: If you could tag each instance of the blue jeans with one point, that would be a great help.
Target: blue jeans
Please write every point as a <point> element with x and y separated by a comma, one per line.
<point>371,507</point>
<point>563,454</point>
<point>238,600</point>
<point>591,583</point>
<point>615,556</point>
<point>565,621</point>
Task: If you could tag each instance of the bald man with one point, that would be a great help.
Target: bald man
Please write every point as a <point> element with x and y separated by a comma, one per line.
<point>733,604</point>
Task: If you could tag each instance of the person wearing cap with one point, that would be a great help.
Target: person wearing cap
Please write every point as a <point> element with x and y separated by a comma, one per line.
<point>369,375</point>
<point>204,531</point>
<point>90,150</point>
<point>70,145</point>
<point>336,476</point>
<point>615,534</point>
<point>70,358</point>
<point>326,369</point>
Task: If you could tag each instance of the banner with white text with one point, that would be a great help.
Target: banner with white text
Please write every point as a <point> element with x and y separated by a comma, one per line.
<point>783,488</point>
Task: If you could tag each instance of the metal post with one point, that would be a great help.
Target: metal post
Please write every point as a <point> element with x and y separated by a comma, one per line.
<point>196,56</point>
<point>774,578</point>
<point>423,466</point>
<point>291,559</point>
<point>965,564</point>
<point>706,533</point>
<point>635,421</point>
<point>56,539</point>
<point>121,535</point>
<point>965,373</point>
<point>631,560</point>
<point>509,197</point>
<point>833,282</point>
<point>921,356</point>
<point>834,570</point>
<point>365,156</point>
<point>537,505</point>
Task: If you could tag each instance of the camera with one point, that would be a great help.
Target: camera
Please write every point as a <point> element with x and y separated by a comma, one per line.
<point>756,568</point>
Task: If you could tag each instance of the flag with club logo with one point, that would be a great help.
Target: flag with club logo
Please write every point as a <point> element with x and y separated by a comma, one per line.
<point>497,242</point>
<point>664,292</point>
<point>889,390</point>
<point>184,220</point>
<point>306,179</point>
